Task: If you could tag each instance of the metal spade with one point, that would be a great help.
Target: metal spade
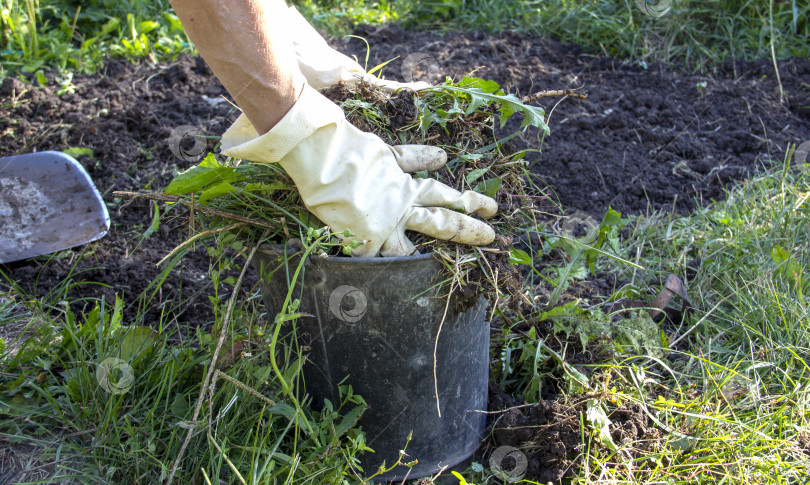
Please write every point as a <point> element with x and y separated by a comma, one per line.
<point>47,203</point>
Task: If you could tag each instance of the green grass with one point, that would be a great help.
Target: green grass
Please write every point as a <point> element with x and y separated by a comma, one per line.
<point>732,399</point>
<point>725,388</point>
<point>95,420</point>
<point>75,37</point>
<point>69,36</point>
<point>697,34</point>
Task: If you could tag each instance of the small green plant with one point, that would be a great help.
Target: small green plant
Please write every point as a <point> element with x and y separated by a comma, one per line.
<point>67,37</point>
<point>636,335</point>
<point>581,252</point>
<point>471,94</point>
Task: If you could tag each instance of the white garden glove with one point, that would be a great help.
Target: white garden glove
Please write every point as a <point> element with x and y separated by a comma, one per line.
<point>324,67</point>
<point>350,179</point>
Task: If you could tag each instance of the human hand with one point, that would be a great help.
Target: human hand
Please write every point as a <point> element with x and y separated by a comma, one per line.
<point>353,180</point>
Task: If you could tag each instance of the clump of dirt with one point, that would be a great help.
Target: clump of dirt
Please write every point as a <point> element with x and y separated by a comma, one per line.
<point>632,426</point>
<point>547,433</point>
<point>549,437</point>
<point>400,109</point>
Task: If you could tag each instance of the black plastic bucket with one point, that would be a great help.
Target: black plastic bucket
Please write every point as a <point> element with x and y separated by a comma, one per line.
<point>375,322</point>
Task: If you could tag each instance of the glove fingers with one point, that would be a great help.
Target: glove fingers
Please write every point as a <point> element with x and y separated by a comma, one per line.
<point>415,158</point>
<point>436,194</point>
<point>449,226</point>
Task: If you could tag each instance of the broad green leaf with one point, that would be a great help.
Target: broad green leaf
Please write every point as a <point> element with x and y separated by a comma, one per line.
<point>489,187</point>
<point>195,179</point>
<point>789,267</point>
<point>779,254</point>
<point>598,419</point>
<point>422,174</point>
<point>349,420</point>
<point>609,228</point>
<point>41,79</point>
<point>612,218</point>
<point>109,26</point>
<point>485,85</point>
<point>174,22</point>
<point>291,371</point>
<point>480,92</point>
<point>476,174</point>
<point>218,190</point>
<point>507,110</point>
<point>285,410</point>
<point>147,26</point>
<point>210,161</point>
<point>262,373</point>
<point>137,342</point>
<point>518,256</point>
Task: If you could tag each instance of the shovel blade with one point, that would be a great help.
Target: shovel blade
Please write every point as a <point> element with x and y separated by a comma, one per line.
<point>47,203</point>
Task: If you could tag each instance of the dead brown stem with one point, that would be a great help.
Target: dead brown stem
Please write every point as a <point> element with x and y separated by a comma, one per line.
<point>212,365</point>
<point>553,92</point>
<point>208,210</point>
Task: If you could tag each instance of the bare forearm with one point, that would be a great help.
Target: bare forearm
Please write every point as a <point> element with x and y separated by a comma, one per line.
<point>246,44</point>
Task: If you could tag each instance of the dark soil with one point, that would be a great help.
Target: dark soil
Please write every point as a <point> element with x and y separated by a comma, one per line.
<point>645,139</point>
<point>126,114</point>
<point>547,433</point>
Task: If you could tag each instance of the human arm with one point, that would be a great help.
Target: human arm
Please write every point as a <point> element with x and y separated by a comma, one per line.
<point>347,178</point>
<point>248,46</point>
